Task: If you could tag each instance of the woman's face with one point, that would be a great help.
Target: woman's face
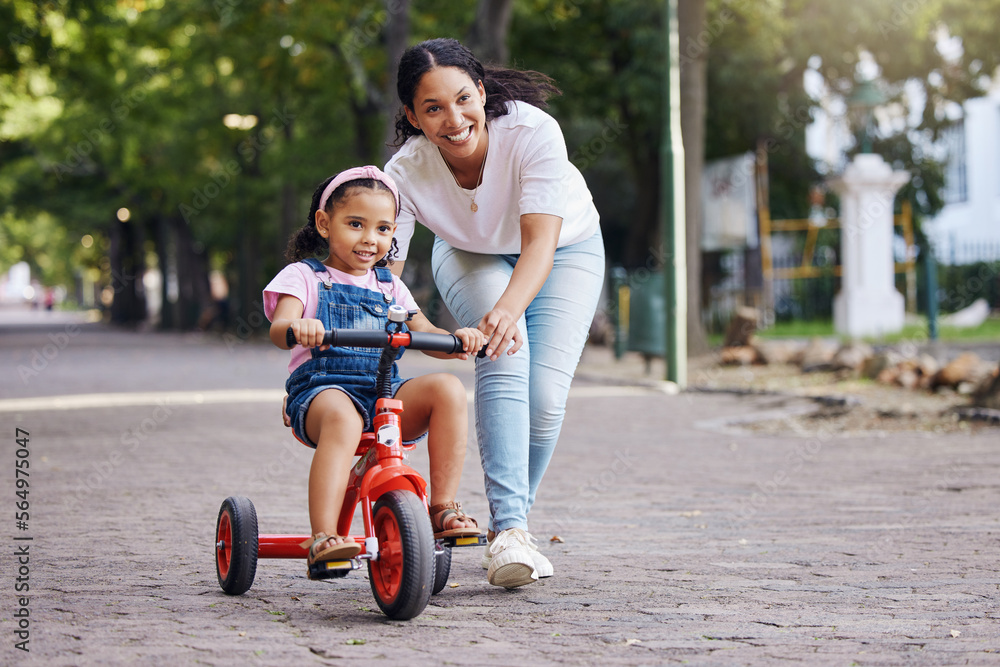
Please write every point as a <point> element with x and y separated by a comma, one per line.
<point>448,106</point>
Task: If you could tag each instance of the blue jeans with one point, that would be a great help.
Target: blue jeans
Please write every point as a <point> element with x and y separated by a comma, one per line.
<point>520,400</point>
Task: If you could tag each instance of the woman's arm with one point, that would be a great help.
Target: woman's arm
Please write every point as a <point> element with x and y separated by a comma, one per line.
<point>539,238</point>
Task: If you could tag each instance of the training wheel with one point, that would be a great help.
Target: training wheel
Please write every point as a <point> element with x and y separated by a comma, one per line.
<point>442,566</point>
<point>236,545</point>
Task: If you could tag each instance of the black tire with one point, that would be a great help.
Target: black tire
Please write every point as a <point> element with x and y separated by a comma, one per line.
<point>236,545</point>
<point>442,567</point>
<point>403,576</point>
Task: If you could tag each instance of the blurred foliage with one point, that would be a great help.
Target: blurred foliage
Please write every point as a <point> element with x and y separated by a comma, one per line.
<point>121,104</point>
<point>606,56</point>
<point>756,96</point>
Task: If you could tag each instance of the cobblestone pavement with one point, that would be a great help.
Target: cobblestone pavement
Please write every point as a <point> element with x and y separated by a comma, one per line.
<point>685,539</point>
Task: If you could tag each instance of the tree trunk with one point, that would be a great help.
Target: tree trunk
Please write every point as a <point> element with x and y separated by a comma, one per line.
<point>397,34</point>
<point>691,19</point>
<point>487,36</point>
<point>128,265</point>
<point>162,239</point>
<point>194,293</point>
<point>644,247</point>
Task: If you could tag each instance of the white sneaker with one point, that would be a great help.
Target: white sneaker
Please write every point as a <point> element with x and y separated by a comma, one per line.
<point>511,564</point>
<point>543,568</point>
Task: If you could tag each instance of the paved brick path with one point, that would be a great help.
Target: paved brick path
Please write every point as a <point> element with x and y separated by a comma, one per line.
<point>685,540</point>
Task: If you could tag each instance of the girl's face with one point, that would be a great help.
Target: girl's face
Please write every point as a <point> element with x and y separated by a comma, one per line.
<point>448,106</point>
<point>359,230</point>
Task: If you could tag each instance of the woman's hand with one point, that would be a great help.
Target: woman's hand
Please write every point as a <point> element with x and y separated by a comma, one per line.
<point>500,327</point>
<point>472,341</point>
<point>539,238</point>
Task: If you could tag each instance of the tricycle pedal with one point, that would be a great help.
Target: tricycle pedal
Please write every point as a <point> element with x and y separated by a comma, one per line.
<point>333,569</point>
<point>469,541</point>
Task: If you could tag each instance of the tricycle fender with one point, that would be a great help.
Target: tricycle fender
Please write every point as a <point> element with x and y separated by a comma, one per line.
<point>379,481</point>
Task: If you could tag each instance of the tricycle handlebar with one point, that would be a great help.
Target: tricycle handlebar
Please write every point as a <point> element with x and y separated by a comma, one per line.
<point>417,340</point>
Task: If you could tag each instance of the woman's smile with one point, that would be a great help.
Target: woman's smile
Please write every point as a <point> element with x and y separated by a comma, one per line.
<point>459,136</point>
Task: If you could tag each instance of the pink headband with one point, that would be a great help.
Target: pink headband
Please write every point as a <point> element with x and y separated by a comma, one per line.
<point>355,174</point>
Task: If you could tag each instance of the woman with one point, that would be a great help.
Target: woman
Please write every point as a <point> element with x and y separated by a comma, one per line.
<point>518,254</point>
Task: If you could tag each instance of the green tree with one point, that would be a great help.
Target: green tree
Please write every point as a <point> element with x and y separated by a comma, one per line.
<point>612,110</point>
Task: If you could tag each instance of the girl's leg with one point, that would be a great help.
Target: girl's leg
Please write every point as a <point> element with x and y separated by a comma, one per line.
<point>334,424</point>
<point>558,323</point>
<point>436,405</point>
<point>470,285</point>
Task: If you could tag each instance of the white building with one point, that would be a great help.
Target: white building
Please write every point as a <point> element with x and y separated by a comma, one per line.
<point>968,228</point>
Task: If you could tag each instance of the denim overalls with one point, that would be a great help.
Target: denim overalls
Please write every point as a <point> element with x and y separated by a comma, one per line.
<point>350,369</point>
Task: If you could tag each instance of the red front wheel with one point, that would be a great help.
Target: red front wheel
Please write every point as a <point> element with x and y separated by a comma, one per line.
<point>236,545</point>
<point>403,576</point>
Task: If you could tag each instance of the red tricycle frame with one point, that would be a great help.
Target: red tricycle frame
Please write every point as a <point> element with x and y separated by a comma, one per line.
<point>406,564</point>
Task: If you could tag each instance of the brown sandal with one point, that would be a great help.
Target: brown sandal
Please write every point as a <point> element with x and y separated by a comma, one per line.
<point>339,551</point>
<point>440,514</point>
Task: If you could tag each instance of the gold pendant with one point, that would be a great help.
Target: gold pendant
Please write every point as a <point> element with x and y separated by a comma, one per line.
<point>474,207</point>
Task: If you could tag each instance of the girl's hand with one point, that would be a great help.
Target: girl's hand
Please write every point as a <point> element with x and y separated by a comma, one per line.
<point>472,341</point>
<point>309,333</point>
<point>500,328</point>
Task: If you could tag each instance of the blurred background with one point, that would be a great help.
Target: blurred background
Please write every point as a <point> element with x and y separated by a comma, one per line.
<point>156,156</point>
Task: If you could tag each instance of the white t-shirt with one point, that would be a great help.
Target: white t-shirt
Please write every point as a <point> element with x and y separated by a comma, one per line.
<point>300,281</point>
<point>527,170</point>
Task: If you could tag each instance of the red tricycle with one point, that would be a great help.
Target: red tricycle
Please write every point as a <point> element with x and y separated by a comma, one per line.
<point>406,565</point>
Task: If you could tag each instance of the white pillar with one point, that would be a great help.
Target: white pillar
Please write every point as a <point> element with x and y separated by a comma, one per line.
<point>868,303</point>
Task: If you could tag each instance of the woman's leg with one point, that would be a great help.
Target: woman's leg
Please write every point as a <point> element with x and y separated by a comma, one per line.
<point>558,324</point>
<point>333,422</point>
<point>470,285</point>
<point>521,399</point>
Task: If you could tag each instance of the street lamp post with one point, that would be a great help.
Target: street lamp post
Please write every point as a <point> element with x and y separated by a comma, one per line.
<point>861,104</point>
<point>672,210</point>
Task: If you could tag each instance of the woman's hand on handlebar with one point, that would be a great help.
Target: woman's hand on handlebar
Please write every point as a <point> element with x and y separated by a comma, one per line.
<point>500,328</point>
<point>309,333</point>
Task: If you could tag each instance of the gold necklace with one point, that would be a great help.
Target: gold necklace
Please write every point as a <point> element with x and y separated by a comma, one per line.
<point>482,167</point>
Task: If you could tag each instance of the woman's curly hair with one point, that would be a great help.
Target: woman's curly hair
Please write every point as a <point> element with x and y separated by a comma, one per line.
<point>502,85</point>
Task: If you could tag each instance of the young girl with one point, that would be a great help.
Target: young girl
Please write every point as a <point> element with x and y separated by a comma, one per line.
<point>331,391</point>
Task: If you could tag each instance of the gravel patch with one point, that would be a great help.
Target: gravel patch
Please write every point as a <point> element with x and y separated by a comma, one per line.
<point>845,404</point>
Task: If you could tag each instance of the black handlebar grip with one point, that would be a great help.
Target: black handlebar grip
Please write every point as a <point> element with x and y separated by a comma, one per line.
<point>290,338</point>
<point>355,338</point>
<point>447,343</point>
<point>482,351</point>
